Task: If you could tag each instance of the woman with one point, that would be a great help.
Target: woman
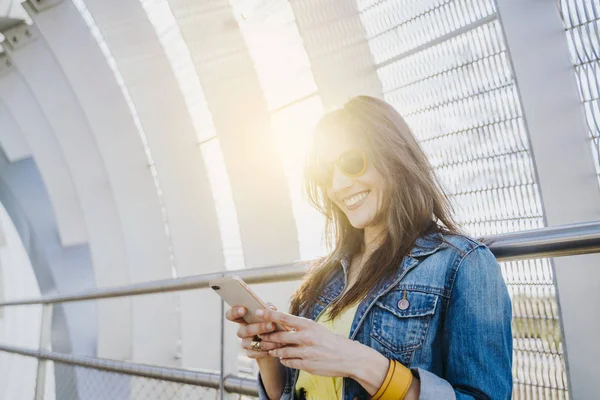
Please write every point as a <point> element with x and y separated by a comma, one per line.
<point>405,306</point>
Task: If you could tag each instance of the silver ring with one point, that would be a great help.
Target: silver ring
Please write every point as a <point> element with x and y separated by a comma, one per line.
<point>256,346</point>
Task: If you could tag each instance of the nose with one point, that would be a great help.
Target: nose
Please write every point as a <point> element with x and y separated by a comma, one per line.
<point>340,181</point>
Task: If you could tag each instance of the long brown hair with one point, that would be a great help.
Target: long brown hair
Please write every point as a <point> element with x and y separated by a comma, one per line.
<point>413,205</point>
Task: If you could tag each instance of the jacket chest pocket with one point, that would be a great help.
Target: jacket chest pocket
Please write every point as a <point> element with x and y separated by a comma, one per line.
<point>400,322</point>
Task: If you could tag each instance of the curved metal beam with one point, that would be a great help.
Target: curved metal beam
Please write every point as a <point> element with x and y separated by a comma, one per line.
<point>57,268</point>
<point>169,131</point>
<point>64,114</point>
<point>13,142</point>
<point>122,154</point>
<point>19,326</point>
<point>16,96</point>
<point>27,51</point>
<point>242,122</point>
<point>193,226</point>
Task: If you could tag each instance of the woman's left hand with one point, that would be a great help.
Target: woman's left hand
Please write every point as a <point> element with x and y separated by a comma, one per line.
<point>313,348</point>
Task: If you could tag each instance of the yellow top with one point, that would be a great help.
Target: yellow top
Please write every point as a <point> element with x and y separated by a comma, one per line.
<point>325,387</point>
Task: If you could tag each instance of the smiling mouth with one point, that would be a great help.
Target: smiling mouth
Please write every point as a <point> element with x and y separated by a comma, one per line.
<point>354,201</point>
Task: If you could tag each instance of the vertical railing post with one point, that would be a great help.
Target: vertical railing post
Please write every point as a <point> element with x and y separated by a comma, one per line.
<point>45,336</point>
<point>222,373</point>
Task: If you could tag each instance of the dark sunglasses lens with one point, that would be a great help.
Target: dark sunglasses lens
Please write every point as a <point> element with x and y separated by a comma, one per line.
<point>352,162</point>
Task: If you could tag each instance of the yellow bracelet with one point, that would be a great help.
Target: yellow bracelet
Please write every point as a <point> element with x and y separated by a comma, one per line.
<point>399,384</point>
<point>386,381</point>
<point>396,384</point>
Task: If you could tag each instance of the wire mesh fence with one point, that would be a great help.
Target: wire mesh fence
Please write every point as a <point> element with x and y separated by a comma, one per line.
<point>81,383</point>
<point>581,19</point>
<point>69,382</point>
<point>538,364</point>
<point>459,95</point>
<point>539,370</point>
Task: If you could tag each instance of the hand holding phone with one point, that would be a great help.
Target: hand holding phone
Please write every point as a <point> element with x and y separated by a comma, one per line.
<point>235,292</point>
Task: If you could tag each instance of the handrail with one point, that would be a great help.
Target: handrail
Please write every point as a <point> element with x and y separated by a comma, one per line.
<point>234,384</point>
<point>564,240</point>
<point>558,241</point>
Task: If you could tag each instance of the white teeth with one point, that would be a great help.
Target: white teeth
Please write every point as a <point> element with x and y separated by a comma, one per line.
<point>350,201</point>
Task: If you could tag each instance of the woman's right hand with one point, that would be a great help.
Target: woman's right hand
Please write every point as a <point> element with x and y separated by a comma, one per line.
<point>248,332</point>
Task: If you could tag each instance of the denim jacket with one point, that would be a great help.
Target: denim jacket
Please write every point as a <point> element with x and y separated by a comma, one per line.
<point>455,331</point>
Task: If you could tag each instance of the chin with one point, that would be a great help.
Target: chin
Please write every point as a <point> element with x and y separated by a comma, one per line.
<point>359,223</point>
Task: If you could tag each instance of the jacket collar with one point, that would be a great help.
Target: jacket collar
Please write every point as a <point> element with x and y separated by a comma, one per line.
<point>425,245</point>
<point>428,244</point>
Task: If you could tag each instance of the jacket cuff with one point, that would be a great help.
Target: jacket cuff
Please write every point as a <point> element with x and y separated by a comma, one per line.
<point>433,387</point>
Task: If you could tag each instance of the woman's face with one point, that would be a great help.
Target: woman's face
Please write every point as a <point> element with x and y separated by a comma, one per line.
<point>360,197</point>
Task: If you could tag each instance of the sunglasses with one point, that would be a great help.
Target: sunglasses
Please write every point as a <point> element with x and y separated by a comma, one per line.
<point>352,163</point>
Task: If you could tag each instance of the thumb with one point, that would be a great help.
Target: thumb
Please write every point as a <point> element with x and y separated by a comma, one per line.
<point>272,306</point>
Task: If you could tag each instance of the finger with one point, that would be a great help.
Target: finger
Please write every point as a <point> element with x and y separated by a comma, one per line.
<point>283,337</point>
<point>247,344</point>
<point>267,346</point>
<point>252,330</point>
<point>284,319</point>
<point>264,346</point>
<point>287,352</point>
<point>271,306</point>
<point>236,314</point>
<point>239,321</point>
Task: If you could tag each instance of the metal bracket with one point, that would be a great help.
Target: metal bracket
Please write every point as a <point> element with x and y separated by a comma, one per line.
<point>18,36</point>
<point>40,5</point>
<point>5,63</point>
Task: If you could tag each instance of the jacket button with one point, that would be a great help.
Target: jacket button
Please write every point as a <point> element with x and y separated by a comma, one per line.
<point>403,304</point>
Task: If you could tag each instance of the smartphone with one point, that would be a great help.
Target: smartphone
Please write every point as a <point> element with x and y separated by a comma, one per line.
<point>235,292</point>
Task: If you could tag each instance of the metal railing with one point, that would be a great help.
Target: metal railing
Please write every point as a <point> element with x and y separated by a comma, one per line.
<point>565,240</point>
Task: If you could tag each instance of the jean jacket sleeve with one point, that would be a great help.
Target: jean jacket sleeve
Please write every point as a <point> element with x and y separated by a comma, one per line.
<point>477,337</point>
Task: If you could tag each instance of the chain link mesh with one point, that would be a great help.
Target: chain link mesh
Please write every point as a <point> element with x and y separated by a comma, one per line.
<point>18,376</point>
<point>581,19</point>
<point>82,383</point>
